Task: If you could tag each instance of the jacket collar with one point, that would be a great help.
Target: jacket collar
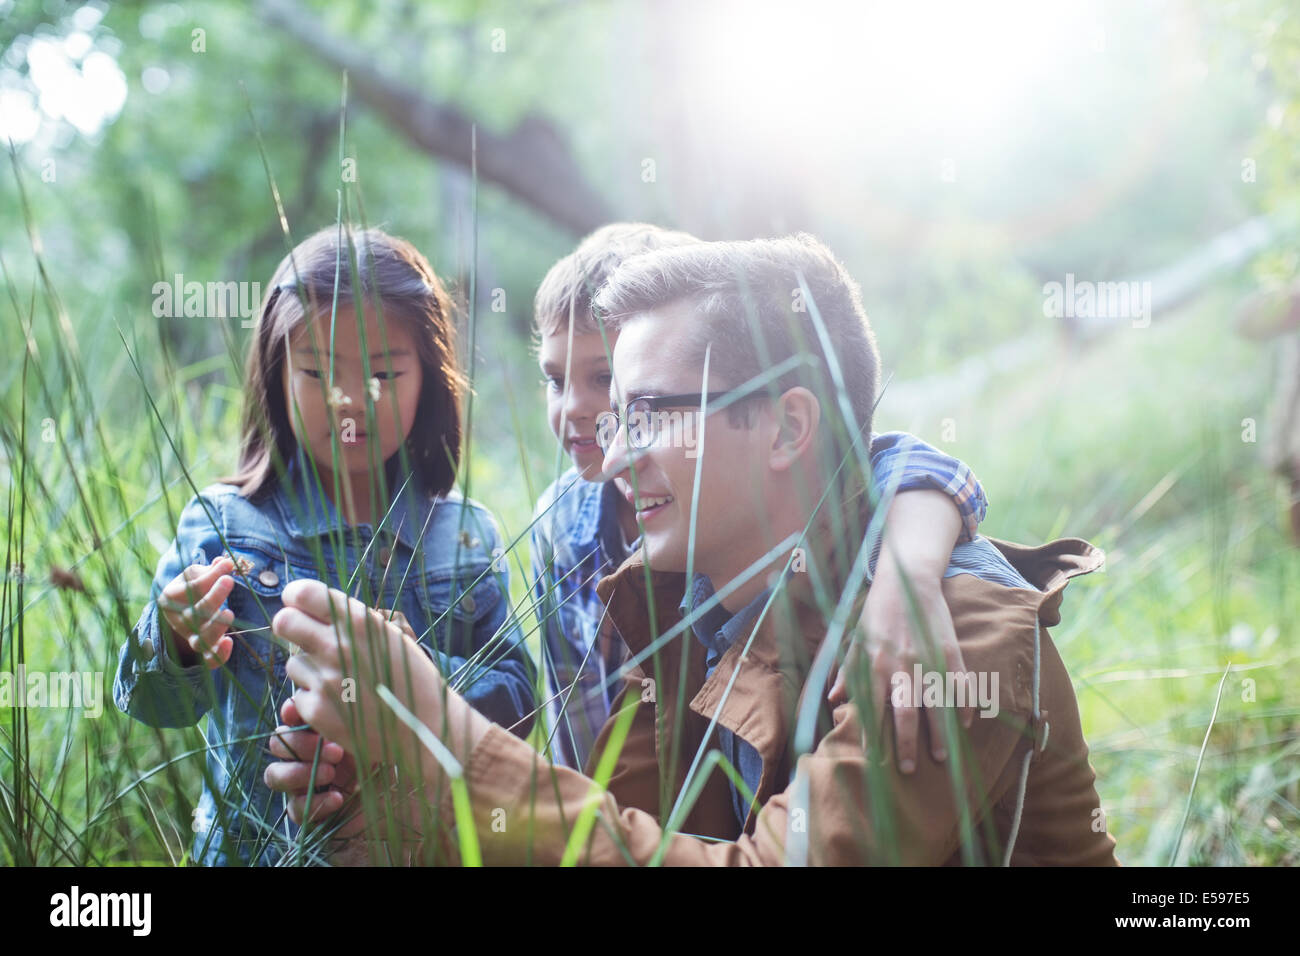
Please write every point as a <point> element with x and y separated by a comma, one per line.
<point>773,650</point>
<point>308,513</point>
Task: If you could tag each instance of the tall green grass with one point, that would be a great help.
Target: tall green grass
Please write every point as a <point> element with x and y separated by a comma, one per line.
<point>1135,445</point>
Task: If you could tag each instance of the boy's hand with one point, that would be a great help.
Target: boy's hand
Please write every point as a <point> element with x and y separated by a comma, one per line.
<point>893,647</point>
<point>192,612</point>
<point>920,531</point>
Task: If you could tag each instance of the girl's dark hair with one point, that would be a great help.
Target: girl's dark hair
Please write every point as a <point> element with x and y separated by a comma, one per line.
<point>397,281</point>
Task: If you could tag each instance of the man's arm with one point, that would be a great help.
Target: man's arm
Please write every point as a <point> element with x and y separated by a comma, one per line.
<point>842,807</point>
<point>846,804</point>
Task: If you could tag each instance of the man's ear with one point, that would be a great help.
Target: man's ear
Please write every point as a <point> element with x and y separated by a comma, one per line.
<point>798,416</point>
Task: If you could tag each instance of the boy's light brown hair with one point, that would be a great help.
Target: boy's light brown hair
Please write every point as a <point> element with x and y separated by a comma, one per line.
<point>570,285</point>
<point>753,311</point>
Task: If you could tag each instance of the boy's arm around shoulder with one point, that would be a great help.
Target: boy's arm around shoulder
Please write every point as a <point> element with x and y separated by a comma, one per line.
<point>151,685</point>
<point>903,462</point>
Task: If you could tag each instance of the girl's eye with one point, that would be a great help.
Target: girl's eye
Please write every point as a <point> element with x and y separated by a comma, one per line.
<point>388,376</point>
<point>604,381</point>
<point>310,372</point>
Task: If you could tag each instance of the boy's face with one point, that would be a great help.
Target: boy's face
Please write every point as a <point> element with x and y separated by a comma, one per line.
<point>319,414</point>
<point>577,392</point>
<point>652,359</point>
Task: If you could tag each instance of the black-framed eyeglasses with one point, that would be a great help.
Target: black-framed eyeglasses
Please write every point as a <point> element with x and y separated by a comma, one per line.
<point>646,416</point>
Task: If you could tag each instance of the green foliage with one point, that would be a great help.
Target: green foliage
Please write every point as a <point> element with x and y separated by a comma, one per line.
<point>1136,444</point>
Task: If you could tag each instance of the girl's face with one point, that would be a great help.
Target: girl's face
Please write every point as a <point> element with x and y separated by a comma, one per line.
<point>317,412</point>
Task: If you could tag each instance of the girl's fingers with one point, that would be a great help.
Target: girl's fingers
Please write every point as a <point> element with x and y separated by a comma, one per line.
<point>208,606</point>
<point>196,580</point>
<point>323,805</point>
<point>293,744</point>
<point>210,640</point>
<point>294,777</point>
<point>301,745</point>
<point>214,628</point>
<point>331,752</point>
<point>220,653</point>
<point>194,617</point>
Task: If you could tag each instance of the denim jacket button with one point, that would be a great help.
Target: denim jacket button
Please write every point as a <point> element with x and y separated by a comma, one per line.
<point>467,602</point>
<point>269,578</point>
<point>385,555</point>
<point>147,647</point>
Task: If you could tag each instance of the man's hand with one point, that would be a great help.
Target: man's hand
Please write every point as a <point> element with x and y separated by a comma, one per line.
<point>921,531</point>
<point>366,650</point>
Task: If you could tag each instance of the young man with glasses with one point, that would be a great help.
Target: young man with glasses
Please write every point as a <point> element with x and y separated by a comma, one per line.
<point>585,527</point>
<point>722,748</point>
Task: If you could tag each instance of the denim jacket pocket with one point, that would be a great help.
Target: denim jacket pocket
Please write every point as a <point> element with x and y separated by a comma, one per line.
<point>260,577</point>
<point>452,605</point>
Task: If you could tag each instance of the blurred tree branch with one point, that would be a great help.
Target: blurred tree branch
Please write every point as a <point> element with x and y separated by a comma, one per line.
<point>321,137</point>
<point>532,162</point>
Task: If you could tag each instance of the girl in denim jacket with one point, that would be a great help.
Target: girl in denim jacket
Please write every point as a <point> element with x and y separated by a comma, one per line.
<point>351,443</point>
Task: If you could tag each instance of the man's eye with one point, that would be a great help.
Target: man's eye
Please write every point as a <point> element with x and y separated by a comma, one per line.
<point>604,381</point>
<point>553,383</point>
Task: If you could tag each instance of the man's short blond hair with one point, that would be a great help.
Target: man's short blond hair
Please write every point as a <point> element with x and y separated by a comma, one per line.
<point>566,292</point>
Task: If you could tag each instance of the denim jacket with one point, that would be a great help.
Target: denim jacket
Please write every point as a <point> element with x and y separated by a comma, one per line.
<point>432,559</point>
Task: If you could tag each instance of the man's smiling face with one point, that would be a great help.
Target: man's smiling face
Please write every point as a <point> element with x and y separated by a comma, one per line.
<point>656,356</point>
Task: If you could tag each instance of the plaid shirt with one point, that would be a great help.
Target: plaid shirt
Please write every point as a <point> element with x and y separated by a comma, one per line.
<point>576,541</point>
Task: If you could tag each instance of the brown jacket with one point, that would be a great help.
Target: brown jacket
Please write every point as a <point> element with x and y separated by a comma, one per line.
<point>844,802</point>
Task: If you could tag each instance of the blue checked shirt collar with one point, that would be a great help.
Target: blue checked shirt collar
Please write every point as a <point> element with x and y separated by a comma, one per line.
<point>584,520</point>
<point>717,628</point>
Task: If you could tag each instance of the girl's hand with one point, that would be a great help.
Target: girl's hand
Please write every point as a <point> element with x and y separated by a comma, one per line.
<point>338,791</point>
<point>192,612</point>
<point>336,771</point>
